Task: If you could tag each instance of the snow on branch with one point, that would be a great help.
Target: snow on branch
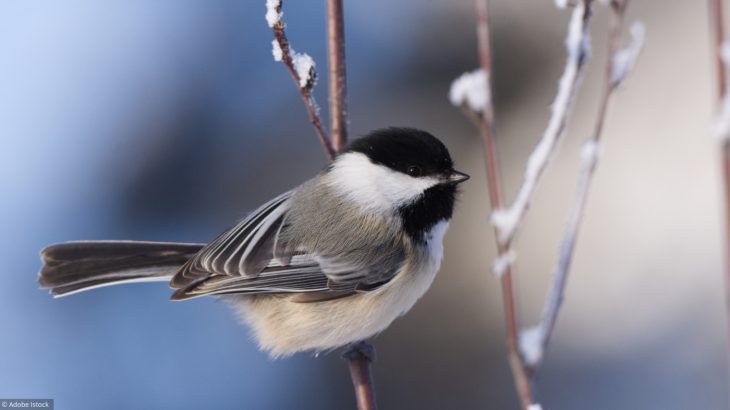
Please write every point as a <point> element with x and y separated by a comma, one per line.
<point>273,12</point>
<point>301,67</point>
<point>503,263</point>
<point>534,340</point>
<point>471,90</point>
<point>304,65</point>
<point>578,48</point>
<point>623,61</point>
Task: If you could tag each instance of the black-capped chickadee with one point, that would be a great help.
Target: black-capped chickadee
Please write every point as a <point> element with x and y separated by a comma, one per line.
<point>331,262</point>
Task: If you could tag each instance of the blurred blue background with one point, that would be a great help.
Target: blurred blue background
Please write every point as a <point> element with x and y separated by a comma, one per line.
<point>168,120</point>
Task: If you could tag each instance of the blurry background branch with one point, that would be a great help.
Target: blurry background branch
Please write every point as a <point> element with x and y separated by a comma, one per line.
<point>619,63</point>
<point>472,93</point>
<point>577,43</point>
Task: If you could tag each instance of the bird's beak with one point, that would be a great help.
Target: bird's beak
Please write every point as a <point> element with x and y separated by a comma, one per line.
<point>457,177</point>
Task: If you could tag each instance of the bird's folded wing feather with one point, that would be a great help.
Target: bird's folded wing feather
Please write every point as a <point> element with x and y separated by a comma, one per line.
<point>250,258</point>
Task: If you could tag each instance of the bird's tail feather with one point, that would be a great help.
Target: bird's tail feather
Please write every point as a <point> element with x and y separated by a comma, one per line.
<point>77,266</point>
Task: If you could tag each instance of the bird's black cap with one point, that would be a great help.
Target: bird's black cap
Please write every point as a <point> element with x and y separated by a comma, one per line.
<point>406,150</point>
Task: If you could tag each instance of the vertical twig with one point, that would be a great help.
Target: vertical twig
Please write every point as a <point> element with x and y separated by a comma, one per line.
<point>487,130</point>
<point>337,73</point>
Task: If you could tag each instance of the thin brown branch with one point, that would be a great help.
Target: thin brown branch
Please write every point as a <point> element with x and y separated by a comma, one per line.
<point>337,73</point>
<point>359,358</point>
<point>522,382</point>
<point>304,89</point>
<point>616,70</point>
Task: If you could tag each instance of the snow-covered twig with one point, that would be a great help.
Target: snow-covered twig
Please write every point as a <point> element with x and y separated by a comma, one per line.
<point>534,340</point>
<point>623,61</point>
<point>301,67</point>
<point>503,262</point>
<point>578,48</point>
<point>471,90</point>
<point>471,93</point>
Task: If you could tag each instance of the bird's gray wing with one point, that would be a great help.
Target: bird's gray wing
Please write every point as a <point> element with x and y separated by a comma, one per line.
<point>252,258</point>
<point>302,276</point>
<point>242,251</point>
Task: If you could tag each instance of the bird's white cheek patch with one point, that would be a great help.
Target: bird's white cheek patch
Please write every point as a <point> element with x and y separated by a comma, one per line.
<point>374,186</point>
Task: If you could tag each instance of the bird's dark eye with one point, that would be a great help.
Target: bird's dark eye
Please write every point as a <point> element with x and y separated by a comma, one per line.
<point>414,171</point>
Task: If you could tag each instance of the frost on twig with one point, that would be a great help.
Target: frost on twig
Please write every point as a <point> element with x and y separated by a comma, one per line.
<point>577,44</point>
<point>531,346</point>
<point>304,65</point>
<point>503,263</point>
<point>534,341</point>
<point>276,50</point>
<point>471,90</point>
<point>623,61</point>
<point>589,152</point>
<point>721,124</point>
<point>301,67</point>
<point>273,12</point>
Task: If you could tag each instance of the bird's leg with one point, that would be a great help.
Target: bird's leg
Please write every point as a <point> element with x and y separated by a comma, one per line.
<point>359,357</point>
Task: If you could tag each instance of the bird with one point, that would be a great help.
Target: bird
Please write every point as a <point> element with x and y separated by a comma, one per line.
<point>325,265</point>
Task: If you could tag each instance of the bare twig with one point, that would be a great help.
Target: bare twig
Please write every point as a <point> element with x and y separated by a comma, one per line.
<point>522,381</point>
<point>577,44</point>
<point>619,62</point>
<point>304,80</point>
<point>359,357</point>
<point>337,73</point>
